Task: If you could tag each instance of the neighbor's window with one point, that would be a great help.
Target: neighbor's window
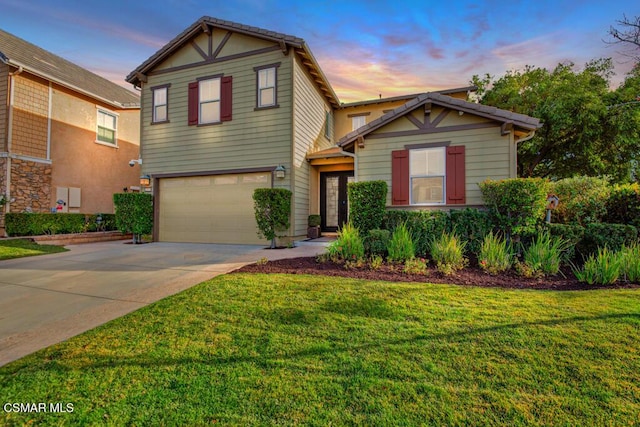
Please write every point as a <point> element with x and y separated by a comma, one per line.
<point>106,131</point>
<point>209,99</point>
<point>427,173</point>
<point>160,104</point>
<point>358,121</point>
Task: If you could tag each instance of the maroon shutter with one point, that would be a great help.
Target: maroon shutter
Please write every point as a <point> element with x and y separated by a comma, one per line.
<point>226,102</point>
<point>455,176</point>
<point>400,177</point>
<point>193,103</point>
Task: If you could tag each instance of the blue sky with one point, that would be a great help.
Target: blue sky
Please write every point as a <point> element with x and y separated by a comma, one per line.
<point>365,48</point>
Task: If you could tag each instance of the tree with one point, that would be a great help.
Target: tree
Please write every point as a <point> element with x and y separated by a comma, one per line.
<point>272,207</point>
<point>582,133</point>
<point>629,36</point>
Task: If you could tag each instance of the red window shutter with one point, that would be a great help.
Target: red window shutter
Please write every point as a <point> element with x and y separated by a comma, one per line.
<point>400,177</point>
<point>456,181</point>
<point>226,102</point>
<point>193,103</point>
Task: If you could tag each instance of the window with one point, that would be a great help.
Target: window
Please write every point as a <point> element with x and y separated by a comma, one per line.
<point>209,100</point>
<point>106,131</point>
<point>427,173</point>
<point>160,104</point>
<point>267,87</point>
<point>357,122</point>
<point>327,124</point>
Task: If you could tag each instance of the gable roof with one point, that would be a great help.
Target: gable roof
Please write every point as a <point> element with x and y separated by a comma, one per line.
<point>493,113</point>
<point>19,53</point>
<point>409,97</point>
<point>205,24</point>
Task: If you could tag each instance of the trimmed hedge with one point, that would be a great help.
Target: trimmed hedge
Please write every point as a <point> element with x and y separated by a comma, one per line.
<point>367,202</point>
<point>424,226</point>
<point>134,213</point>
<point>583,200</point>
<point>471,226</point>
<point>35,224</point>
<point>612,236</point>
<point>272,207</point>
<point>572,234</point>
<point>623,205</point>
<point>376,242</point>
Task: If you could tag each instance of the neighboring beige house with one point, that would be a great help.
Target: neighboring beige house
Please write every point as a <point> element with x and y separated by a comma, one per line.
<point>66,134</point>
<point>226,107</point>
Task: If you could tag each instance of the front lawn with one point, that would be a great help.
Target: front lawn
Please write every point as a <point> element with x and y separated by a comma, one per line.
<point>247,349</point>
<point>18,248</point>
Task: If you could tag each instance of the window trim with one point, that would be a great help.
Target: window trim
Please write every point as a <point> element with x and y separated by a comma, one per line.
<point>115,116</point>
<point>153,103</point>
<point>217,77</point>
<point>443,151</point>
<point>257,70</point>
<point>358,117</point>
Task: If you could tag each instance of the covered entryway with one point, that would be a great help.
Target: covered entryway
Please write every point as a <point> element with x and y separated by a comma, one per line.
<point>210,209</point>
<point>334,206</point>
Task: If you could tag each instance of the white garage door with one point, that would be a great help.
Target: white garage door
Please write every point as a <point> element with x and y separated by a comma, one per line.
<point>210,209</point>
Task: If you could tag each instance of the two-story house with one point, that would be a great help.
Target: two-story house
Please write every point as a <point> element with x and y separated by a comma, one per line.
<point>227,108</point>
<point>66,134</point>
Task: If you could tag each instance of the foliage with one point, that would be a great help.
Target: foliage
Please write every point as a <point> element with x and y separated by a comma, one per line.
<point>471,225</point>
<point>583,132</point>
<point>367,201</point>
<point>348,246</point>
<point>272,208</point>
<point>447,251</point>
<point>376,242</point>
<point>415,266</point>
<point>517,206</point>
<point>583,200</point>
<point>134,213</point>
<point>623,205</point>
<point>19,248</point>
<point>544,255</point>
<point>375,262</point>
<point>495,254</point>
<point>572,234</point>
<point>423,225</point>
<point>628,36</point>
<point>612,236</point>
<point>631,262</point>
<point>314,220</point>
<point>35,224</point>
<point>601,269</point>
<point>401,246</point>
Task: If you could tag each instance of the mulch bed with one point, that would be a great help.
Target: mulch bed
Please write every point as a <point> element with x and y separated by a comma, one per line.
<point>470,276</point>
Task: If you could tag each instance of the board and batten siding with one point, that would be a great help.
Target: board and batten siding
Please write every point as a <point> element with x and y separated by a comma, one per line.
<point>309,114</point>
<point>488,155</point>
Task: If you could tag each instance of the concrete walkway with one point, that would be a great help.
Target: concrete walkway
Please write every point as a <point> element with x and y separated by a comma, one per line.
<point>48,299</point>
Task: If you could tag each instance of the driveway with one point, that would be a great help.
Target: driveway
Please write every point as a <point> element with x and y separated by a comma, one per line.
<point>48,299</point>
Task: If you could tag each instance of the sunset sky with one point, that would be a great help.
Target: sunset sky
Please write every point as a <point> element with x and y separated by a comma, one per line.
<point>365,48</point>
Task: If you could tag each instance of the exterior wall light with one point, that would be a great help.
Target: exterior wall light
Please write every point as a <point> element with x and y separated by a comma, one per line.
<point>145,180</point>
<point>279,172</point>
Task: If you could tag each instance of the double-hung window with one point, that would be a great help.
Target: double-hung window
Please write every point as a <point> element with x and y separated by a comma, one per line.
<point>209,101</point>
<point>427,175</point>
<point>160,104</point>
<point>267,86</point>
<point>107,126</point>
<point>358,122</point>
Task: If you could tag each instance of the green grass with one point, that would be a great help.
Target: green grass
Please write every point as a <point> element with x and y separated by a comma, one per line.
<point>247,349</point>
<point>18,248</point>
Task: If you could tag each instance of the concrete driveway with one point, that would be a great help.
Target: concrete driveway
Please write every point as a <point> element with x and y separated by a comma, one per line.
<point>48,299</point>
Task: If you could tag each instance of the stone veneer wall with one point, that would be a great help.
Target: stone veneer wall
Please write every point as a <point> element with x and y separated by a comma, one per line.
<point>30,186</point>
<point>3,191</point>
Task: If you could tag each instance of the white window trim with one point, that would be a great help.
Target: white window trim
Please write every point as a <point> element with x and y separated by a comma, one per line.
<point>154,105</point>
<point>275,87</point>
<point>219,101</point>
<point>358,118</point>
<point>115,131</point>
<point>444,178</point>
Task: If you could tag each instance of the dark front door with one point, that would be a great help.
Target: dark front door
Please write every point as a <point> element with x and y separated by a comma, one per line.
<point>334,207</point>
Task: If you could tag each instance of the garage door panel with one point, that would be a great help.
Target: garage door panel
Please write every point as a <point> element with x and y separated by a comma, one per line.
<point>210,209</point>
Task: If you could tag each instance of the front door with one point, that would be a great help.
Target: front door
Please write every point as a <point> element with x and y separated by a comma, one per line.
<point>334,207</point>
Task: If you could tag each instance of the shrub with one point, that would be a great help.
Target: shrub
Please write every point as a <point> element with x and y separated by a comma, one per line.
<point>447,251</point>
<point>33,224</point>
<point>415,266</point>
<point>612,236</point>
<point>134,213</point>
<point>367,201</point>
<point>544,255</point>
<point>471,225</point>
<point>601,269</point>
<point>583,200</point>
<point>572,234</point>
<point>631,262</point>
<point>623,205</point>
<point>348,246</point>
<point>517,206</point>
<point>424,226</point>
<point>376,242</point>
<point>272,208</point>
<point>375,262</point>
<point>314,220</point>
<point>495,254</point>
<point>401,247</point>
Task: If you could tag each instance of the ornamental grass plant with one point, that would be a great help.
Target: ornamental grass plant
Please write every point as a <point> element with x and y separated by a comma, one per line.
<point>602,269</point>
<point>348,246</point>
<point>447,251</point>
<point>544,255</point>
<point>496,255</point>
<point>401,246</point>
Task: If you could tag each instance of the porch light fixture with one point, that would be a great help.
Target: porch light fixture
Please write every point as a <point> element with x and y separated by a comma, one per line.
<point>145,180</point>
<point>279,172</point>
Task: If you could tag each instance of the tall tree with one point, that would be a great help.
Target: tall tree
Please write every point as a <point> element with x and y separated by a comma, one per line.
<point>582,133</point>
<point>628,36</point>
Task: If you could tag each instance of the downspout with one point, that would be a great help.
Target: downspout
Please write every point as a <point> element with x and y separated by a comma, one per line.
<point>7,206</point>
<point>355,162</point>
<point>526,138</point>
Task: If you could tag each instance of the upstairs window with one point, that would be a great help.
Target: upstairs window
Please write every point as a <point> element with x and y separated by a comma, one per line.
<point>210,100</point>
<point>160,104</point>
<point>358,122</point>
<point>107,126</point>
<point>267,82</point>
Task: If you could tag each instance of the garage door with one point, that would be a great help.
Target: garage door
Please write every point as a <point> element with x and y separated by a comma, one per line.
<point>210,209</point>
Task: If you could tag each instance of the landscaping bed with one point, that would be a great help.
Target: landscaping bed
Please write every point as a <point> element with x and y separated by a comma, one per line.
<point>472,276</point>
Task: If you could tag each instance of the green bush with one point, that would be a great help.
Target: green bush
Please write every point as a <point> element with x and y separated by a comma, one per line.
<point>583,200</point>
<point>544,254</point>
<point>134,213</point>
<point>34,224</point>
<point>272,207</point>
<point>401,246</point>
<point>623,205</point>
<point>517,206</point>
<point>348,247</point>
<point>423,226</point>
<point>415,266</point>
<point>572,234</point>
<point>447,251</point>
<point>367,201</point>
<point>495,254</point>
<point>601,269</point>
<point>612,236</point>
<point>314,220</point>
<point>631,263</point>
<point>376,242</point>
<point>471,225</point>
